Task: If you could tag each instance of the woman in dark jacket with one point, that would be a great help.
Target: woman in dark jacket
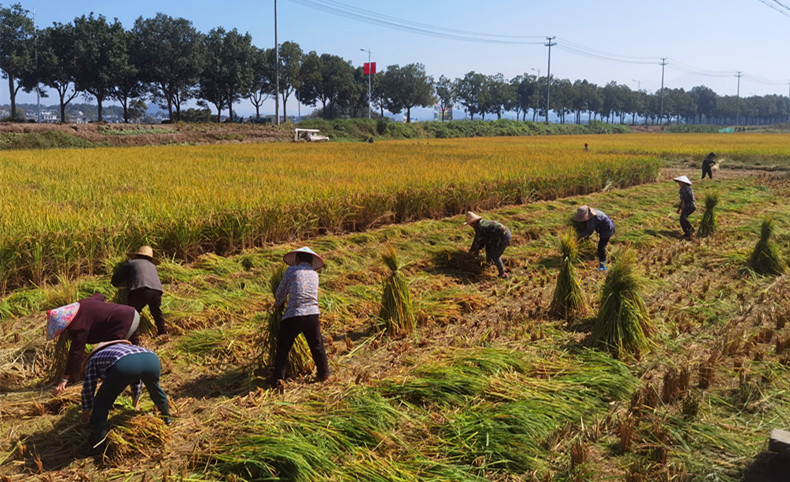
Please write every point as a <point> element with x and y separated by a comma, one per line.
<point>90,320</point>
<point>596,221</point>
<point>140,277</point>
<point>687,205</point>
<point>491,236</point>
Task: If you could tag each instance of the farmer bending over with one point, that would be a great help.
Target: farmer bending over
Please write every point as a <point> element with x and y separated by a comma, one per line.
<point>90,320</point>
<point>300,286</point>
<point>118,364</point>
<point>687,205</point>
<point>491,236</point>
<point>596,220</point>
<point>139,275</point>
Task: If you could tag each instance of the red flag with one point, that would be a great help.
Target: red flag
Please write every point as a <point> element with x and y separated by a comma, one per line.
<point>370,68</point>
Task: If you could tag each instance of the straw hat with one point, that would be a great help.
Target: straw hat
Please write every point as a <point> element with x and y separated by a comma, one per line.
<point>682,179</point>
<point>471,218</point>
<point>100,347</point>
<point>147,252</point>
<point>59,318</point>
<point>584,213</point>
<point>290,257</point>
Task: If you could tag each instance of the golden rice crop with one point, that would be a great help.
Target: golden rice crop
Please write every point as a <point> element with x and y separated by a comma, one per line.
<point>69,211</point>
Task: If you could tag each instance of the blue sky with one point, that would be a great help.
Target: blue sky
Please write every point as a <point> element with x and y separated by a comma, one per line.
<point>698,37</point>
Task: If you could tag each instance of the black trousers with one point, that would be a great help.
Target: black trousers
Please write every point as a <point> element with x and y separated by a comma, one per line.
<point>602,242</point>
<point>290,328</point>
<point>684,221</point>
<point>141,297</point>
<point>707,170</point>
<point>126,371</point>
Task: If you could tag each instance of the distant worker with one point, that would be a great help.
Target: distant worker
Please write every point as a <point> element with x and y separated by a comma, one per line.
<point>707,164</point>
<point>596,221</point>
<point>300,287</point>
<point>118,364</point>
<point>586,147</point>
<point>140,277</point>
<point>687,205</point>
<point>90,320</point>
<point>491,236</point>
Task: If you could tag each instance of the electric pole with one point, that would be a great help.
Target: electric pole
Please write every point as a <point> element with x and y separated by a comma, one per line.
<point>738,100</point>
<point>661,114</point>
<point>35,60</point>
<point>276,70</point>
<point>549,44</point>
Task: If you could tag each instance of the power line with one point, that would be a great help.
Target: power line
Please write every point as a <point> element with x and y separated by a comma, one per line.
<point>773,4</point>
<point>342,10</point>
<point>368,16</point>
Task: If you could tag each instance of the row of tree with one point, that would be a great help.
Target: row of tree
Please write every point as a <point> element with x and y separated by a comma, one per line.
<point>166,60</point>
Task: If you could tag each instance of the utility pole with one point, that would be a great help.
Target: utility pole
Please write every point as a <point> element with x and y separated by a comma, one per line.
<point>738,100</point>
<point>276,70</point>
<point>661,114</point>
<point>549,44</point>
<point>370,76</point>
<point>35,59</point>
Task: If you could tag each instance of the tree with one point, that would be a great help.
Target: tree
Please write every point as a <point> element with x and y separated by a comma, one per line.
<point>706,101</point>
<point>127,84</point>
<point>56,68</point>
<point>99,53</point>
<point>471,93</point>
<point>290,63</point>
<point>445,93</point>
<point>262,79</point>
<point>137,109</point>
<point>407,87</point>
<point>171,60</point>
<point>16,50</point>
<point>228,74</point>
<point>500,97</point>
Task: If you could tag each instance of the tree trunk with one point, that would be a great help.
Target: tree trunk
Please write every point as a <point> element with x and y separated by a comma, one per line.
<point>285,98</point>
<point>12,95</point>
<point>408,115</point>
<point>99,99</point>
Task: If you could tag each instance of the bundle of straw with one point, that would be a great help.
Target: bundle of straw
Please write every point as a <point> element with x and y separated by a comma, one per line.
<point>568,300</point>
<point>623,323</point>
<point>299,359</point>
<point>397,310</point>
<point>142,436</point>
<point>766,259</point>
<point>708,225</point>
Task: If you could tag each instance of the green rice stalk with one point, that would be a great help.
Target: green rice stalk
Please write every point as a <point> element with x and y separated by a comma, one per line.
<point>623,324</point>
<point>397,310</point>
<point>568,300</point>
<point>300,361</point>
<point>766,258</point>
<point>708,224</point>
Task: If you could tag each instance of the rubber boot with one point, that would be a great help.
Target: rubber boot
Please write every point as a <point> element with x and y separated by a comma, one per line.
<point>602,266</point>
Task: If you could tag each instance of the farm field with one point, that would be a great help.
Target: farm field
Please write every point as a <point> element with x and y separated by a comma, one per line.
<point>488,388</point>
<point>74,211</point>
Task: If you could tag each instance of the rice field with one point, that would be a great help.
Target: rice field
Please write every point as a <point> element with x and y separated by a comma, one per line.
<point>73,211</point>
<point>490,385</point>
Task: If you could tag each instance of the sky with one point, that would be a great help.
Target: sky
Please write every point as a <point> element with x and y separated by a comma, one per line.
<point>705,42</point>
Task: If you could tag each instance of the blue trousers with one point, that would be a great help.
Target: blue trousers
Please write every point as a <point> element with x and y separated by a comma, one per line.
<point>126,371</point>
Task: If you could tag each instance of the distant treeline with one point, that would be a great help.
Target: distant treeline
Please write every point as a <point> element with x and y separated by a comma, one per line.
<point>167,61</point>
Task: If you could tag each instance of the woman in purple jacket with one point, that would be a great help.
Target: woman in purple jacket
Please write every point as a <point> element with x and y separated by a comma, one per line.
<point>90,320</point>
<point>596,221</point>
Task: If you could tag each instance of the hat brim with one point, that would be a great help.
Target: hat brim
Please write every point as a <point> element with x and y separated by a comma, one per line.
<point>149,258</point>
<point>290,259</point>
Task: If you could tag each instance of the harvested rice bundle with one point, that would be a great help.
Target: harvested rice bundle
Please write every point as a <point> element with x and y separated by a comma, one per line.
<point>299,359</point>
<point>708,225</point>
<point>143,436</point>
<point>397,310</point>
<point>766,259</point>
<point>568,300</point>
<point>623,323</point>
